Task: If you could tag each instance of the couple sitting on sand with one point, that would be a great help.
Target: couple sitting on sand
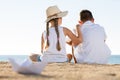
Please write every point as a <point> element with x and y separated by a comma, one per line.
<point>89,42</point>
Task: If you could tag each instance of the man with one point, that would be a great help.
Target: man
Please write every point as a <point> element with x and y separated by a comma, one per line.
<point>93,48</point>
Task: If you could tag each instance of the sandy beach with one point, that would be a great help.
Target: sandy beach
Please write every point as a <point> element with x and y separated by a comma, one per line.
<point>65,71</point>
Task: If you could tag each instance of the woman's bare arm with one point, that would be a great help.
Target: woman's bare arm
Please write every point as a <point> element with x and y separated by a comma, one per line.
<point>75,39</point>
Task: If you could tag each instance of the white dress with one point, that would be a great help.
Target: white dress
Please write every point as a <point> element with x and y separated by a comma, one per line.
<point>93,49</point>
<point>52,54</point>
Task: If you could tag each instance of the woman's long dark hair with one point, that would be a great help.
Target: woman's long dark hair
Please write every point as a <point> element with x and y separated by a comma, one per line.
<point>58,47</point>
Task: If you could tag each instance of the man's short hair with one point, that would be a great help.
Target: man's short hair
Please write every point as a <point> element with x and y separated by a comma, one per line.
<point>85,15</point>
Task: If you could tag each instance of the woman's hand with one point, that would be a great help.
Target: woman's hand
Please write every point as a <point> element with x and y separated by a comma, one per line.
<point>69,42</point>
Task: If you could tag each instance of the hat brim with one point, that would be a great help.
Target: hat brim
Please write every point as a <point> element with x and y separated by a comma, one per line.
<point>61,14</point>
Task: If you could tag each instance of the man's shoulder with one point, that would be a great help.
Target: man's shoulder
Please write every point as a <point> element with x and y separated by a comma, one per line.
<point>98,25</point>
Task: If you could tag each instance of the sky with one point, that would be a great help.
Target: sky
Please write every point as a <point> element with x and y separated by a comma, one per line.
<point>23,21</point>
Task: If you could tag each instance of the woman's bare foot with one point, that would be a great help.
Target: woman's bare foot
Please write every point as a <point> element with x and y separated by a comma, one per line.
<point>69,56</point>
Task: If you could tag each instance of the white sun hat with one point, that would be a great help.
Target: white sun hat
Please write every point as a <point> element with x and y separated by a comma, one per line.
<point>53,12</point>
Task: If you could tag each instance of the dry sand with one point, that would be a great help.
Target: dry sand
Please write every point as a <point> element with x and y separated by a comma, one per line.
<point>65,71</point>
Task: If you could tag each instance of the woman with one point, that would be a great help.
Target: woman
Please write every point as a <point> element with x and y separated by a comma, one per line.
<point>53,45</point>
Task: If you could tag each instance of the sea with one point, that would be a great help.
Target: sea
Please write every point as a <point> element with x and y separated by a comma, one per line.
<point>114,59</point>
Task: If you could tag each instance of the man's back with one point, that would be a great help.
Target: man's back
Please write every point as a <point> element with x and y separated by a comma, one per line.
<point>93,33</point>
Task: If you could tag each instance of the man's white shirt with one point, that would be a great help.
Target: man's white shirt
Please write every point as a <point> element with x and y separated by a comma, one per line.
<point>93,48</point>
